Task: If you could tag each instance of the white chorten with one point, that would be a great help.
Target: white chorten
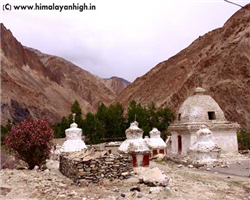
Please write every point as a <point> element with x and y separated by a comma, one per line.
<point>155,142</point>
<point>136,146</point>
<point>204,150</point>
<point>200,111</point>
<point>204,141</point>
<point>74,140</point>
<point>134,141</point>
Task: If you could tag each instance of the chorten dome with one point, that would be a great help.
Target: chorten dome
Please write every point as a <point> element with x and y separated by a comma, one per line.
<point>155,141</point>
<point>200,108</point>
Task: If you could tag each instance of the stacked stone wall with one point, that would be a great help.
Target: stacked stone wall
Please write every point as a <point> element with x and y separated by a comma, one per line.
<point>113,166</point>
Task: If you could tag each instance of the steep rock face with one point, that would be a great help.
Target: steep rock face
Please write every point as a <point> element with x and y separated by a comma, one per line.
<point>36,84</point>
<point>219,61</point>
<point>116,84</point>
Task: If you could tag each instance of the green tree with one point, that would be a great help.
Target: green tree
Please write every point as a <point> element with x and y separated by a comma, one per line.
<point>165,117</point>
<point>57,130</point>
<point>115,125</point>
<point>109,123</point>
<point>5,130</point>
<point>75,108</point>
<point>141,114</point>
<point>112,121</point>
<point>9,125</point>
<point>150,117</point>
<point>243,140</point>
<point>153,115</point>
<point>92,129</point>
<point>63,126</point>
<point>3,134</point>
<point>102,113</point>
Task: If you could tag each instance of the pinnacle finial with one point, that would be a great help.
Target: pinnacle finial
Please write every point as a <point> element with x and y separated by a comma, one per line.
<point>74,116</point>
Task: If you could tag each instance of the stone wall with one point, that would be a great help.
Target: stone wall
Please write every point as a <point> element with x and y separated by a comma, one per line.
<point>113,166</point>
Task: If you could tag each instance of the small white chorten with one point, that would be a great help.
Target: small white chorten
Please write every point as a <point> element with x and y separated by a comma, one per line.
<point>74,140</point>
<point>204,150</point>
<point>136,146</point>
<point>155,142</point>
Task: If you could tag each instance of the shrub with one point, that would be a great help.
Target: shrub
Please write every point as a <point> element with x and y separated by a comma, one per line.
<point>2,139</point>
<point>243,140</point>
<point>4,132</point>
<point>31,140</point>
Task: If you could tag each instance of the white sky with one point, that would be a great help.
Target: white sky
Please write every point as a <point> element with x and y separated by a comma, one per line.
<point>122,38</point>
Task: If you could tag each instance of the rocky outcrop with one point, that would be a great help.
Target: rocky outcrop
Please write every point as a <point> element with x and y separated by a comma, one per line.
<point>36,84</point>
<point>219,61</point>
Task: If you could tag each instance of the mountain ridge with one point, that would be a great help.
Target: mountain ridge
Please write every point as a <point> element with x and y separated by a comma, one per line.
<point>116,84</point>
<point>37,84</point>
<point>218,61</point>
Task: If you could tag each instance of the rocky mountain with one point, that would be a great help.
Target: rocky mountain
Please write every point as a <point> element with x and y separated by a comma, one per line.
<point>116,84</point>
<point>219,61</point>
<point>36,84</point>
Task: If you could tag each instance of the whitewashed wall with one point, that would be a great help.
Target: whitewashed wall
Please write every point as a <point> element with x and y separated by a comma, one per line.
<point>186,142</point>
<point>226,140</point>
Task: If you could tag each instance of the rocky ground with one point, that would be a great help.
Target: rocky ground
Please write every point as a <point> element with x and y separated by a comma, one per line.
<point>232,165</point>
<point>185,183</point>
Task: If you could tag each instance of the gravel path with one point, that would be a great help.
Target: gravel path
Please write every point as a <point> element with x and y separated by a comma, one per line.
<point>185,183</point>
<point>236,169</point>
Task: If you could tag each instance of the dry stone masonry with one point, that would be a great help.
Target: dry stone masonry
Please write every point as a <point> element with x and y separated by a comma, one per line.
<point>93,166</point>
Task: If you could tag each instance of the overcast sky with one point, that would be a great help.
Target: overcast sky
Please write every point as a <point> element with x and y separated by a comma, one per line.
<point>119,38</point>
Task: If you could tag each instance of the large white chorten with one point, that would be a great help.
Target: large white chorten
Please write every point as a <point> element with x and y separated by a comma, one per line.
<point>197,112</point>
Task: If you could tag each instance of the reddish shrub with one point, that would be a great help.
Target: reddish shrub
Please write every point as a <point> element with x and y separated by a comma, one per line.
<point>31,140</point>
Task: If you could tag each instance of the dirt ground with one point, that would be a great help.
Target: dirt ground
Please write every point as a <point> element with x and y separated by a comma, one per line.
<point>184,183</point>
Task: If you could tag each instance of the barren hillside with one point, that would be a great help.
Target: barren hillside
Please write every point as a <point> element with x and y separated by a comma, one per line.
<point>116,84</point>
<point>36,84</point>
<point>219,61</point>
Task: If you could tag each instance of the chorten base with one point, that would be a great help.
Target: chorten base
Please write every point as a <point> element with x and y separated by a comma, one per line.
<point>73,145</point>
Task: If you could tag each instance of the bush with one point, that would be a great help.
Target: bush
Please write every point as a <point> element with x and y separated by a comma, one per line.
<point>31,140</point>
<point>4,132</point>
<point>243,140</point>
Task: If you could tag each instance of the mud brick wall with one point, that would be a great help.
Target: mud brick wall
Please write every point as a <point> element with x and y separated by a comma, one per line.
<point>114,166</point>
